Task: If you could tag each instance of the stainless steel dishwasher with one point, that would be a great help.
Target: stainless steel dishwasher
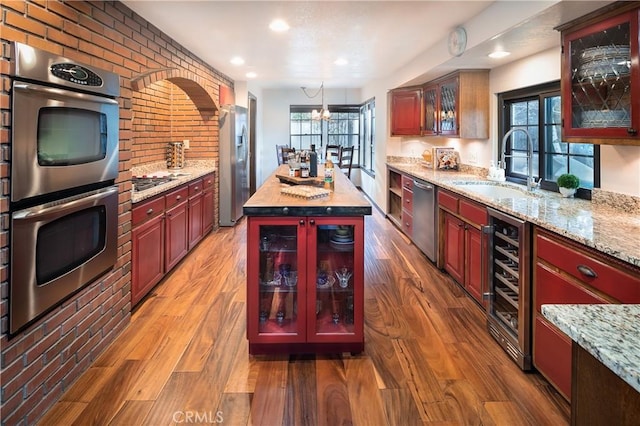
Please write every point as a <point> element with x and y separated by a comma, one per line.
<point>425,227</point>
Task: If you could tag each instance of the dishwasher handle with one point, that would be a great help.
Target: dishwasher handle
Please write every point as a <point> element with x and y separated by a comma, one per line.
<point>422,186</point>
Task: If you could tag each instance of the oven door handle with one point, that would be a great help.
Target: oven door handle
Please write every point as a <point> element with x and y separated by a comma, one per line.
<point>58,208</point>
<point>30,87</point>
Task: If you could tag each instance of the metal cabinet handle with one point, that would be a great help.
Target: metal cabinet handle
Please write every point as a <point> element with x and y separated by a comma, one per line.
<point>632,131</point>
<point>179,197</point>
<point>196,188</point>
<point>329,210</point>
<point>150,211</point>
<point>312,222</point>
<point>408,200</point>
<point>586,271</point>
<point>285,210</point>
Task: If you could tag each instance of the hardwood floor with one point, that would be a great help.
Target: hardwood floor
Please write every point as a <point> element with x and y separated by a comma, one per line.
<point>428,357</point>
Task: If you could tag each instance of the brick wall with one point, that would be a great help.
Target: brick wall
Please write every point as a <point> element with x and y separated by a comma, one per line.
<point>40,363</point>
<point>164,113</point>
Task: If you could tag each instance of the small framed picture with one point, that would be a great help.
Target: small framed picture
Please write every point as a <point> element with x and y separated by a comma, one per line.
<point>446,159</point>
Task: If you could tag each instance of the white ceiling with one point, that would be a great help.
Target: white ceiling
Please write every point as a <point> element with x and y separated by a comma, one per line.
<point>376,37</point>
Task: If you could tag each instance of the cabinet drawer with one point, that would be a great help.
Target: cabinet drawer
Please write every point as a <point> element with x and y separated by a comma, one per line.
<point>552,355</point>
<point>407,223</point>
<point>147,210</point>
<point>472,212</point>
<point>195,187</point>
<point>448,201</point>
<point>407,200</point>
<point>177,196</point>
<point>609,278</point>
<point>553,288</point>
<point>407,182</point>
<point>208,182</point>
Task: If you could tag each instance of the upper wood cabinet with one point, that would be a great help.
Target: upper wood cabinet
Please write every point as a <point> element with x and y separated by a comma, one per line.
<point>601,77</point>
<point>406,113</point>
<point>457,105</point>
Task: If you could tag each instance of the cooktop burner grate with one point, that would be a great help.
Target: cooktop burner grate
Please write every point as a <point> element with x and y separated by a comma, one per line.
<point>143,183</point>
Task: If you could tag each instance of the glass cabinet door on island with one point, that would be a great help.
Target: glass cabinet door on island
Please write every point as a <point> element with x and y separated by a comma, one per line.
<point>305,284</point>
<point>279,311</point>
<point>336,272</point>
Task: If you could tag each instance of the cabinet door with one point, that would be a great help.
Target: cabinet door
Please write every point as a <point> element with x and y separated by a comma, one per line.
<point>335,280</point>
<point>405,112</point>
<point>601,81</point>
<point>474,274</point>
<point>277,276</point>
<point>448,112</point>
<point>431,108</point>
<point>147,257</point>
<point>196,209</point>
<point>176,234</point>
<point>207,211</point>
<point>454,247</point>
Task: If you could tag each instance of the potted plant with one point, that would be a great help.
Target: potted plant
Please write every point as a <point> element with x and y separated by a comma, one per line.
<point>567,184</point>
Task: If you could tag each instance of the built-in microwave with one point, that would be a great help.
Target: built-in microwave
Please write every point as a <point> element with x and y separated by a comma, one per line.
<point>65,123</point>
<point>57,248</point>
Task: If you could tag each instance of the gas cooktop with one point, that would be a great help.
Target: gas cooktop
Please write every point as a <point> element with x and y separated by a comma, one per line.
<point>142,183</point>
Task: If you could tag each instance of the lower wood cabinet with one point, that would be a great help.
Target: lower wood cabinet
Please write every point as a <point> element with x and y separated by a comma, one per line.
<point>463,249</point>
<point>147,256</point>
<point>566,272</point>
<point>165,228</point>
<point>305,284</point>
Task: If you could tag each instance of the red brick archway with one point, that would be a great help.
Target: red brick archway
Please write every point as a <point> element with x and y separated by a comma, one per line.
<point>192,85</point>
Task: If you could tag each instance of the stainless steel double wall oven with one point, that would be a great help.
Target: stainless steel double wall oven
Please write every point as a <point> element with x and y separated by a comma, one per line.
<point>64,162</point>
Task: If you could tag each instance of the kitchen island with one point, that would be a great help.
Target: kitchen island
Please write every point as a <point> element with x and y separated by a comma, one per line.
<point>606,361</point>
<point>305,267</point>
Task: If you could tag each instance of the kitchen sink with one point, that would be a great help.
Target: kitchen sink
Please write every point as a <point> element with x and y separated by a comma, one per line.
<point>493,190</point>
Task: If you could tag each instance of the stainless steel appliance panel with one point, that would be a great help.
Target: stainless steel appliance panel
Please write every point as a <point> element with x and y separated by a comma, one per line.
<point>234,164</point>
<point>30,63</point>
<point>425,226</point>
<point>43,271</point>
<point>31,175</point>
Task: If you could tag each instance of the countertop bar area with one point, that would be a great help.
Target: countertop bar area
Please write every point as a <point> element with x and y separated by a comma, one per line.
<point>605,361</point>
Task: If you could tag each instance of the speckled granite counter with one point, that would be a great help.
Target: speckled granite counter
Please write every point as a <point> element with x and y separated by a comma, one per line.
<point>611,229</point>
<point>611,333</point>
<point>193,170</point>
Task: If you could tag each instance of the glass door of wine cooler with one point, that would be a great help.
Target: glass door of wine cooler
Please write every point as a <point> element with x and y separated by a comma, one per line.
<point>336,276</point>
<point>277,268</point>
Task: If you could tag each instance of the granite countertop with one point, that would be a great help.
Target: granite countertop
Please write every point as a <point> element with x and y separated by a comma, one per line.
<point>607,227</point>
<point>608,332</point>
<point>345,200</point>
<point>193,170</point>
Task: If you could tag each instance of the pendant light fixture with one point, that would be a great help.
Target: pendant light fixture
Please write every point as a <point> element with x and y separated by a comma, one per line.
<point>324,113</point>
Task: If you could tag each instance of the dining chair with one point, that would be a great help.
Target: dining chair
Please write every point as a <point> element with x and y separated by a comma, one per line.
<point>286,152</point>
<point>333,152</point>
<point>279,153</point>
<point>346,160</point>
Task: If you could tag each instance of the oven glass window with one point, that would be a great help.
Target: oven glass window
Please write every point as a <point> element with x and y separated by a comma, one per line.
<point>68,136</point>
<point>68,242</point>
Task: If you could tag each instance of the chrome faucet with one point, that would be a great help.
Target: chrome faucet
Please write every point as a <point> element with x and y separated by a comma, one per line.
<point>532,184</point>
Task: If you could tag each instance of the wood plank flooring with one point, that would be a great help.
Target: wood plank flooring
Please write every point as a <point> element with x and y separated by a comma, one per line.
<point>428,357</point>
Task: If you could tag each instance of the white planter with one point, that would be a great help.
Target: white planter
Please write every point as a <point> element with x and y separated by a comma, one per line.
<point>567,192</point>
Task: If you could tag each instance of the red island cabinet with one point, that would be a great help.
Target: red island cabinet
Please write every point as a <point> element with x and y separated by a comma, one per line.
<point>305,289</point>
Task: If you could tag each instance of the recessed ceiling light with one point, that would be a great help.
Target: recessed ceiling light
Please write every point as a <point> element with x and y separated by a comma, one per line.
<point>251,74</point>
<point>237,60</point>
<point>499,54</point>
<point>341,61</point>
<point>278,25</point>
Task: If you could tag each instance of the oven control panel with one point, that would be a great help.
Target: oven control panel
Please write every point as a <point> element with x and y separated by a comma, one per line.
<point>76,74</point>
